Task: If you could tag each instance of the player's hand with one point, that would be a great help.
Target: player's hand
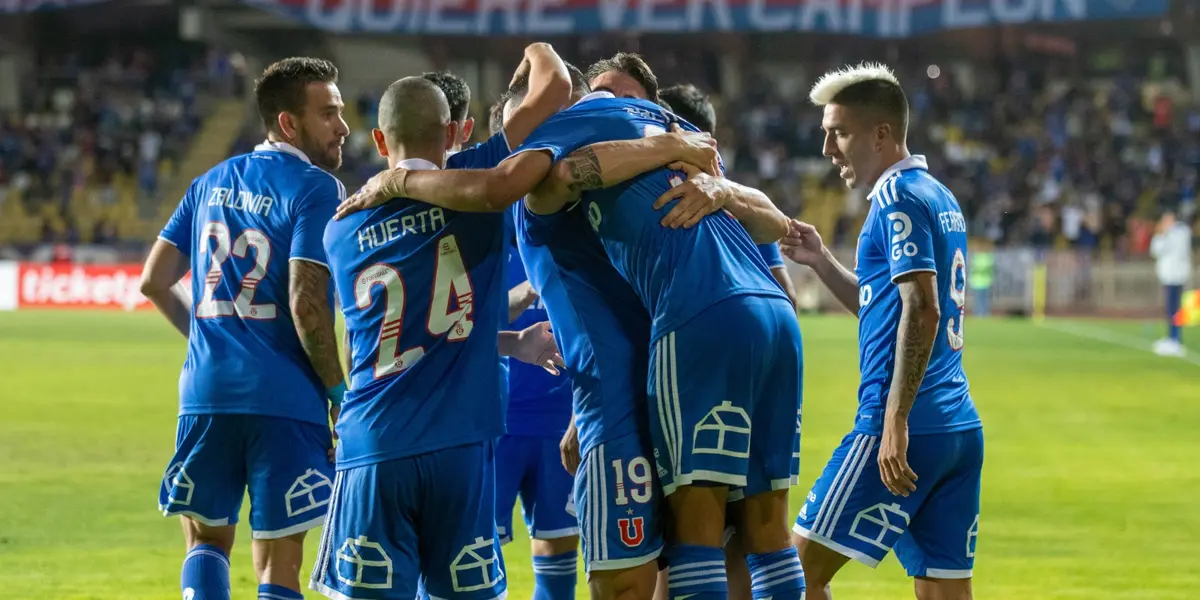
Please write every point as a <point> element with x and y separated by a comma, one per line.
<point>893,457</point>
<point>696,148</point>
<point>699,196</point>
<point>802,244</point>
<point>378,190</point>
<point>520,298</point>
<point>536,346</point>
<point>568,449</point>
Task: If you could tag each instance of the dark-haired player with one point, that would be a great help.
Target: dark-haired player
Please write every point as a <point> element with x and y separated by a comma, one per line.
<point>458,96</point>
<point>915,414</point>
<point>262,375</point>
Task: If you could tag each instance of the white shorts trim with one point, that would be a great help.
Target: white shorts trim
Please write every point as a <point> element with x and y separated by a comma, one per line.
<point>782,484</point>
<point>948,573</point>
<point>553,534</point>
<point>293,530</point>
<point>706,476</point>
<point>623,563</point>
<point>735,495</point>
<point>328,591</point>
<point>836,547</point>
<point>167,512</point>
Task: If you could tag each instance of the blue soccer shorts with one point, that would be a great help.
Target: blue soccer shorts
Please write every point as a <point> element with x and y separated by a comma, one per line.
<point>529,467</point>
<point>933,530</point>
<point>620,508</point>
<point>283,463</point>
<point>425,520</point>
<point>724,395</point>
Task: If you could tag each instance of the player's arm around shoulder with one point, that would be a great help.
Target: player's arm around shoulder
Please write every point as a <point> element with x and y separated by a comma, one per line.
<point>606,164</point>
<point>703,194</point>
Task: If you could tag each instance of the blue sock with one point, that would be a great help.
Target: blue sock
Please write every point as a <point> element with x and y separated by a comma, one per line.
<point>554,576</point>
<point>270,591</point>
<point>777,575</point>
<point>697,571</point>
<point>205,573</point>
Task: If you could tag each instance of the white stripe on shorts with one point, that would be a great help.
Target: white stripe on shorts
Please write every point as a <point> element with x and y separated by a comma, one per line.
<point>603,532</point>
<point>838,486</point>
<point>321,564</point>
<point>862,462</point>
<point>664,414</point>
<point>678,419</point>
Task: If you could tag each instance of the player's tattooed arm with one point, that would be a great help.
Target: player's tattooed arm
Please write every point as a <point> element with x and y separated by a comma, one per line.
<point>308,289</point>
<point>165,266</point>
<point>919,319</point>
<point>610,163</point>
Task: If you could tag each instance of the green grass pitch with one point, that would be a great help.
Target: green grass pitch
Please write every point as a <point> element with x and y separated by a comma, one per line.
<point>1090,485</point>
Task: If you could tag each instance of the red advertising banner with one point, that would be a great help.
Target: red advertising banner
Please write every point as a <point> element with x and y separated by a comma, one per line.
<point>55,285</point>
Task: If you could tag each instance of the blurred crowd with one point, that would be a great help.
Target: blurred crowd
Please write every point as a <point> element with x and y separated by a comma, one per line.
<point>1045,159</point>
<point>95,139</point>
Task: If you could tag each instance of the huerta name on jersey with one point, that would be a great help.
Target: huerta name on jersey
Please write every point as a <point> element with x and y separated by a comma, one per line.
<point>422,289</point>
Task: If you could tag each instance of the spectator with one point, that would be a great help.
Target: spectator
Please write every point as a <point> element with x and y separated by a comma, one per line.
<point>1172,250</point>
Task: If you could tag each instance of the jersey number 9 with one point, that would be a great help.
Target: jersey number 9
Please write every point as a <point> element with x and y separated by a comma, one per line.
<point>450,279</point>
<point>958,293</point>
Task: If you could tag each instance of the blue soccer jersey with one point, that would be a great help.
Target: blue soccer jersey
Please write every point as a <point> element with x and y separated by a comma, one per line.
<point>240,224</point>
<point>422,290</point>
<point>771,255</point>
<point>539,404</point>
<point>661,264</point>
<point>914,224</point>
<point>601,328</point>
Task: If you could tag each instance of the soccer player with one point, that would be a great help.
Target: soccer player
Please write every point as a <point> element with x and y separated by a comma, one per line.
<point>458,95</point>
<point>604,332</point>
<point>695,315</point>
<point>693,106</point>
<point>423,293</point>
<point>915,415</point>
<point>262,376</point>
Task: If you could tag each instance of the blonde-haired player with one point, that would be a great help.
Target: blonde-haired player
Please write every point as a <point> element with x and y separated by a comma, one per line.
<point>908,288</point>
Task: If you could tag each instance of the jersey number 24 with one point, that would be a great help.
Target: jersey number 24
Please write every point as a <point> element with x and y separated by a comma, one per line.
<point>450,279</point>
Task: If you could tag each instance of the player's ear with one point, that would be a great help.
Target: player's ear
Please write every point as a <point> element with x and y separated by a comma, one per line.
<point>451,135</point>
<point>882,133</point>
<point>380,142</point>
<point>287,123</point>
<point>467,129</point>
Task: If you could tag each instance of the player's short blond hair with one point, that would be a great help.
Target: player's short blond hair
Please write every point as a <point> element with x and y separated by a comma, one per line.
<point>869,89</point>
<point>835,82</point>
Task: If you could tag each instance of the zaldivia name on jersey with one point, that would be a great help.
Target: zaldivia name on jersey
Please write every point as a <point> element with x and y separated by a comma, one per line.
<point>244,200</point>
<point>426,221</point>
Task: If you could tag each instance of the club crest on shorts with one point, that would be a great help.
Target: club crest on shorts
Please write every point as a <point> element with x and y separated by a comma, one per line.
<point>633,531</point>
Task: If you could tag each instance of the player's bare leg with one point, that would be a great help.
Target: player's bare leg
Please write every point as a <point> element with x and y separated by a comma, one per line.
<point>736,571</point>
<point>277,561</point>
<point>206,567</point>
<point>660,585</point>
<point>555,563</point>
<point>820,565</point>
<point>771,560</point>
<point>697,564</point>
<point>637,583</point>
<point>942,589</point>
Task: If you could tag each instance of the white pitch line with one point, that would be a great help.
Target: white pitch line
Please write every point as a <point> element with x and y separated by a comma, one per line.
<point>1111,337</point>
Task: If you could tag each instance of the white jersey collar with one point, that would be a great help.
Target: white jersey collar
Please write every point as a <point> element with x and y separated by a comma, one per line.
<point>417,164</point>
<point>269,146</point>
<point>595,96</point>
<point>916,161</point>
